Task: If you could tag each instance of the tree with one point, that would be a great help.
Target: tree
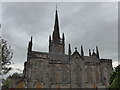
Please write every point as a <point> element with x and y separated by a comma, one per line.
<point>14,75</point>
<point>6,82</point>
<point>6,55</point>
<point>115,78</point>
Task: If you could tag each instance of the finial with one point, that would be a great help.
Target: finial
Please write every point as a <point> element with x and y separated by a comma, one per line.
<point>49,37</point>
<point>89,52</point>
<point>82,52</point>
<point>69,50</point>
<point>97,52</point>
<point>96,47</point>
<point>56,6</point>
<point>30,45</point>
<point>63,37</point>
<point>31,39</point>
<point>75,48</point>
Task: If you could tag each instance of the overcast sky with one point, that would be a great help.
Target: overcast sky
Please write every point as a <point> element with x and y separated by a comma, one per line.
<point>87,24</point>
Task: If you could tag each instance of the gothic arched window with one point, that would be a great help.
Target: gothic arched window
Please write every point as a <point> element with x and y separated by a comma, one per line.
<point>89,74</point>
<point>53,74</point>
<point>65,74</point>
<point>97,75</point>
<point>78,72</point>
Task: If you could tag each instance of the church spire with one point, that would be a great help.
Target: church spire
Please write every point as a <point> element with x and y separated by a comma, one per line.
<point>56,35</point>
<point>56,43</point>
<point>82,52</point>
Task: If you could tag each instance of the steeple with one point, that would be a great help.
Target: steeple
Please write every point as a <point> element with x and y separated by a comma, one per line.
<point>56,34</point>
<point>89,52</point>
<point>56,43</point>
<point>97,52</point>
<point>30,45</point>
<point>82,52</point>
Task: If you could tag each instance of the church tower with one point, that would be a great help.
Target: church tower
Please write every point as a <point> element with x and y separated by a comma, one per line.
<point>56,44</point>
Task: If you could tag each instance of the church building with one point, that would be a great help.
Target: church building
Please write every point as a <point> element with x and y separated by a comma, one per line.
<point>56,69</point>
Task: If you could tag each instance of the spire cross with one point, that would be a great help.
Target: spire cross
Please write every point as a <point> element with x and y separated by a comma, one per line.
<point>56,6</point>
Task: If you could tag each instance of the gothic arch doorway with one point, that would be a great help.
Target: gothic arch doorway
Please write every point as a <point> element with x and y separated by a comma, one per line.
<point>38,84</point>
<point>21,84</point>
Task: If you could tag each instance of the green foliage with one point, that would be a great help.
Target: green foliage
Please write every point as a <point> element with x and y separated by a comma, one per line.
<point>112,77</point>
<point>117,69</point>
<point>5,83</point>
<point>14,75</point>
<point>115,78</point>
<point>6,55</point>
<point>116,82</point>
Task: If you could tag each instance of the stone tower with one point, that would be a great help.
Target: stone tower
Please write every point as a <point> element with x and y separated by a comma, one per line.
<point>56,44</point>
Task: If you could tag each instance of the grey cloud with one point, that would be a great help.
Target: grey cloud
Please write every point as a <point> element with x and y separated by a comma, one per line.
<point>87,24</point>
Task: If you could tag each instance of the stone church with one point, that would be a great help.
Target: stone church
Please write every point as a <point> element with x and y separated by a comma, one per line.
<point>55,69</point>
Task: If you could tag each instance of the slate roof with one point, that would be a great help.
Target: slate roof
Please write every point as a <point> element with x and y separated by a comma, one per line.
<point>65,57</point>
<point>33,54</point>
<point>58,57</point>
<point>91,59</point>
<point>51,56</point>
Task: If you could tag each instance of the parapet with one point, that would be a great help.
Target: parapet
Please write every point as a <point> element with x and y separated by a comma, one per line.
<point>105,60</point>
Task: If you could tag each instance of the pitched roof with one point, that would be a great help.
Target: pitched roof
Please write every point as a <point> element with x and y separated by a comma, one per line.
<point>36,54</point>
<point>63,57</point>
<point>58,57</point>
<point>91,59</point>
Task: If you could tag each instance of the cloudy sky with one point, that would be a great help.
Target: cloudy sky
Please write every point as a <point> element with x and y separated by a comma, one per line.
<point>87,24</point>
